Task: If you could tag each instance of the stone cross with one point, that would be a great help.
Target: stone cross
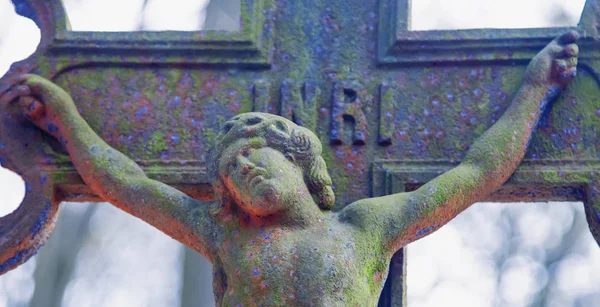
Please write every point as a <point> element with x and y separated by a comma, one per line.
<point>393,108</point>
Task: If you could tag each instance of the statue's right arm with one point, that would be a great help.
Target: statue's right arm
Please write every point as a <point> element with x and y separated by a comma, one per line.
<point>111,174</point>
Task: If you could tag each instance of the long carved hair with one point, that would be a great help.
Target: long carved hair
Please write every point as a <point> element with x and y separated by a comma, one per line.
<point>285,136</point>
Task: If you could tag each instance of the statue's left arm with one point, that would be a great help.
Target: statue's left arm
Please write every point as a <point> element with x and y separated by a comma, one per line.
<point>490,161</point>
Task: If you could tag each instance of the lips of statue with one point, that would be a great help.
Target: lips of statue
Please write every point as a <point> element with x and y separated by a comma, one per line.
<point>261,180</point>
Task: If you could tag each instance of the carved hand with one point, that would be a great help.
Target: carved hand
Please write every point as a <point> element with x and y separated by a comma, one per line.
<point>556,65</point>
<point>45,103</point>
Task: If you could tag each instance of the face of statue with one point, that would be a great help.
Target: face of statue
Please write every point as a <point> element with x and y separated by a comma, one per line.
<point>262,180</point>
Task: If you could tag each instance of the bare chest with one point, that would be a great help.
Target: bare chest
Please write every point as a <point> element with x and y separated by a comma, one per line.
<point>278,267</point>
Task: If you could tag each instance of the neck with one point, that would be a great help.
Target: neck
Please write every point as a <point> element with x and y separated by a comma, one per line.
<point>300,212</point>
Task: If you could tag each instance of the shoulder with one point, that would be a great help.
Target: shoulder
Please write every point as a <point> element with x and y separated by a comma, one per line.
<point>375,212</point>
<point>355,211</point>
<point>204,214</point>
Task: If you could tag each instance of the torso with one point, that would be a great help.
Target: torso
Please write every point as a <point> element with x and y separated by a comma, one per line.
<point>327,265</point>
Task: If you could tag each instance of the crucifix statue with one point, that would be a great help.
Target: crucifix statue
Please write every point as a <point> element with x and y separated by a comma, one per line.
<point>273,227</point>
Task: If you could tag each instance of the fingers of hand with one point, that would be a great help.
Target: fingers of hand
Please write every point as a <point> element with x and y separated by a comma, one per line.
<point>571,50</point>
<point>568,38</point>
<point>564,45</point>
<point>33,108</point>
<point>33,82</point>
<point>24,90</point>
<point>23,78</point>
<point>568,75</point>
<point>564,71</point>
<point>564,52</point>
<point>564,66</point>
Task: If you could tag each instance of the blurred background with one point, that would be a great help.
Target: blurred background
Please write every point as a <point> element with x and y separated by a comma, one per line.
<point>516,254</point>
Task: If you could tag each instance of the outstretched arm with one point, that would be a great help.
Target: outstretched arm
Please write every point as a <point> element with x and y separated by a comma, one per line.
<point>109,173</point>
<point>490,161</point>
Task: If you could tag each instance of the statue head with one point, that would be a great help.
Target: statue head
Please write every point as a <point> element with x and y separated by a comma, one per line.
<point>262,160</point>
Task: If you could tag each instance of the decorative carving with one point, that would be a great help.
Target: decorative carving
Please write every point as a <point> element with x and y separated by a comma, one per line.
<point>348,101</point>
<point>299,103</point>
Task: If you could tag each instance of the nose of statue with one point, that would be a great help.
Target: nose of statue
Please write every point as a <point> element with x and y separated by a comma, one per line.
<point>246,166</point>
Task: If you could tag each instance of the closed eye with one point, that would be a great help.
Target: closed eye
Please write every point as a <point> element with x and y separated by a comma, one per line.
<point>253,121</point>
<point>226,127</point>
<point>247,151</point>
<point>281,126</point>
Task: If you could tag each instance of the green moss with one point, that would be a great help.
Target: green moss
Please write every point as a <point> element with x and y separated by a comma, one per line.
<point>44,67</point>
<point>578,108</point>
<point>157,143</point>
<point>337,173</point>
<point>257,142</point>
<point>246,101</point>
<point>173,78</point>
<point>209,135</point>
<point>59,177</point>
<point>124,126</point>
<point>221,119</point>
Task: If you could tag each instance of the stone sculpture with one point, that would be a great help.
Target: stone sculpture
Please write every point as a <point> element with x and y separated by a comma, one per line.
<point>269,231</point>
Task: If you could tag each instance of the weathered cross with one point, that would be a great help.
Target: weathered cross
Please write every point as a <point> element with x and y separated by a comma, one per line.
<point>392,107</point>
